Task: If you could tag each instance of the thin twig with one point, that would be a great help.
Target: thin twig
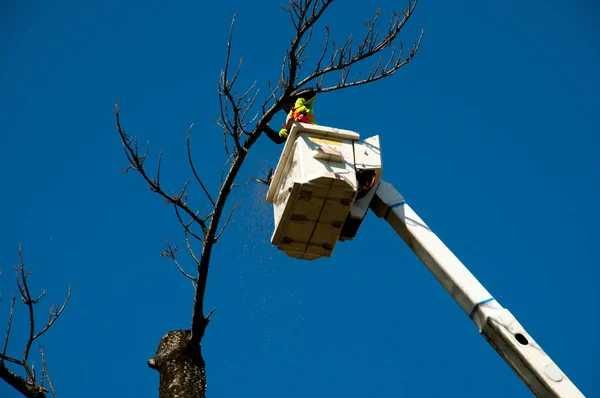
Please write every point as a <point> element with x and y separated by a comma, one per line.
<point>46,375</point>
<point>9,323</point>
<point>190,159</point>
<point>53,315</point>
<point>170,252</point>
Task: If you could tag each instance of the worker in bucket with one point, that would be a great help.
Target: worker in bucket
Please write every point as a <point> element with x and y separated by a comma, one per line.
<point>299,108</point>
<point>302,112</point>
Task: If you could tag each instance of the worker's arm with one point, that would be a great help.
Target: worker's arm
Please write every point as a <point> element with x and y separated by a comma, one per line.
<point>273,135</point>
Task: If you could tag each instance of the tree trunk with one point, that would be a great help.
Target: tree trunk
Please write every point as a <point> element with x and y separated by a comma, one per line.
<point>180,365</point>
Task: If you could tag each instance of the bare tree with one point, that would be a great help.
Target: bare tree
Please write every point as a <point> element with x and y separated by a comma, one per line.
<point>19,371</point>
<point>377,55</point>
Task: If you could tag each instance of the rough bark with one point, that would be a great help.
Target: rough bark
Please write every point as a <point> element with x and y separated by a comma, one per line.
<point>181,367</point>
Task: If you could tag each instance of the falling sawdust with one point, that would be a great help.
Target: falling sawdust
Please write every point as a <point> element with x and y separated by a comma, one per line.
<point>258,225</point>
<point>268,293</point>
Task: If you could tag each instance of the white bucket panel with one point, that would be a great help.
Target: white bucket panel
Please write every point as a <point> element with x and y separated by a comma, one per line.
<point>312,190</point>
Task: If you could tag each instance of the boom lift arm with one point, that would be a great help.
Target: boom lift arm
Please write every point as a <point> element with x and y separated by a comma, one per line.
<point>324,184</point>
<point>500,328</point>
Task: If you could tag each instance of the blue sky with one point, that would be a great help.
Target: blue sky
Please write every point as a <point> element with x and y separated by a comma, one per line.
<point>491,134</point>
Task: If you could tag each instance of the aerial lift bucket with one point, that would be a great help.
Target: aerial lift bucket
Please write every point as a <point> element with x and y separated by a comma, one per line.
<point>317,187</point>
<point>323,185</point>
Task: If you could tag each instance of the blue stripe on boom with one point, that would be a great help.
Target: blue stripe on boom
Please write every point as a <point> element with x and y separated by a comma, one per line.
<point>478,304</point>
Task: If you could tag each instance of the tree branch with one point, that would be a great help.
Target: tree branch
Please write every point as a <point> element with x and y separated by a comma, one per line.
<point>9,323</point>
<point>345,57</point>
<point>28,384</point>
<point>377,74</point>
<point>234,109</point>
<point>190,159</point>
<point>136,162</point>
<point>45,375</point>
<point>26,388</point>
<point>305,15</point>
<point>170,252</point>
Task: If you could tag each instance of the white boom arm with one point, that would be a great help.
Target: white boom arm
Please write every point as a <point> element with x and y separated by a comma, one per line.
<point>500,328</point>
